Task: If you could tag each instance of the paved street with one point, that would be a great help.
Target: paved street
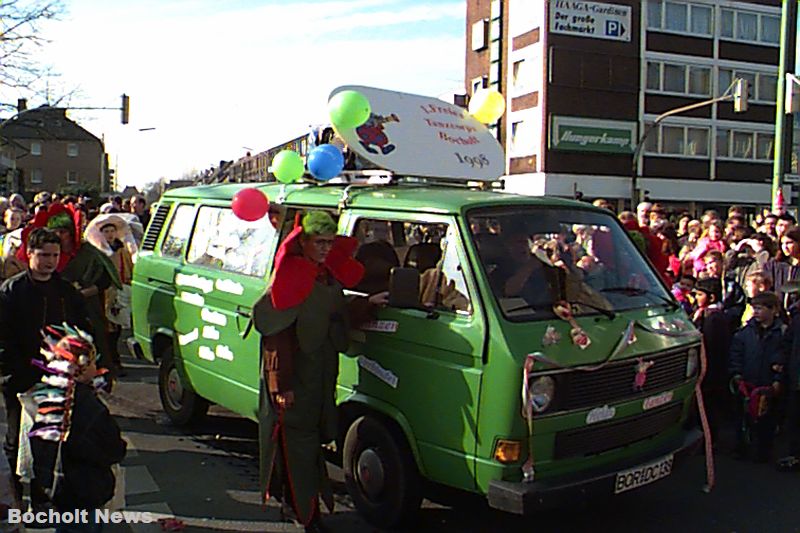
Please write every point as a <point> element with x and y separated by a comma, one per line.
<point>208,479</point>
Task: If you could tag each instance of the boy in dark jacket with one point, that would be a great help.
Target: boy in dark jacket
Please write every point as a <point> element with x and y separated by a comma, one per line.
<point>791,462</point>
<point>74,440</point>
<point>757,358</point>
<point>709,317</point>
<point>29,302</point>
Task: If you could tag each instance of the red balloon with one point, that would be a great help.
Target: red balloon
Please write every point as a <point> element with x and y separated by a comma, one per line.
<point>250,204</point>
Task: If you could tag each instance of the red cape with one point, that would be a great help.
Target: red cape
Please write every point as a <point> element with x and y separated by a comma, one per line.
<point>295,275</point>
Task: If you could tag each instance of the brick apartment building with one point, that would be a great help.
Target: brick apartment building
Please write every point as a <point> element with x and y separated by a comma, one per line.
<point>583,79</point>
<point>53,153</point>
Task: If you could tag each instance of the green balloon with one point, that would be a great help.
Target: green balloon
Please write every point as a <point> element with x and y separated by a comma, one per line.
<point>348,109</point>
<point>288,166</point>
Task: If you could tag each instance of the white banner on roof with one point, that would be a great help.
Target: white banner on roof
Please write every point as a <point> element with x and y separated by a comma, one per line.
<point>414,135</point>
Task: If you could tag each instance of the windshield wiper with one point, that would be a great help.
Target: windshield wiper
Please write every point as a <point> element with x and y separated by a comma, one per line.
<point>635,291</point>
<point>533,307</point>
<point>607,312</point>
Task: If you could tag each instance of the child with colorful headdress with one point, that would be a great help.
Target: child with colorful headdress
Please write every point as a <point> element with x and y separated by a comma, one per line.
<point>68,439</point>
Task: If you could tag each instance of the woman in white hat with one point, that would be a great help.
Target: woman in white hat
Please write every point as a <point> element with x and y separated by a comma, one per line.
<point>112,234</point>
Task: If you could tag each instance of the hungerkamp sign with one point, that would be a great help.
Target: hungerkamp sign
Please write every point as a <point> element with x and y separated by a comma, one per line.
<point>592,135</point>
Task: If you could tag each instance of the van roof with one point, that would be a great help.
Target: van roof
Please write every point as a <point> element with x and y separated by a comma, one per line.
<point>403,196</point>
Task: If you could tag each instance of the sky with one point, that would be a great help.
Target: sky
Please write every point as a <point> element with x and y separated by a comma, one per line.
<point>209,80</point>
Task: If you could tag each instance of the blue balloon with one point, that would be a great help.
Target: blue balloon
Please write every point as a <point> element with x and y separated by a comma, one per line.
<point>325,162</point>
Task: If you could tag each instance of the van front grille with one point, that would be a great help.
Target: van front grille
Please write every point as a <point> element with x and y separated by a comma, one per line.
<point>607,436</point>
<point>579,389</point>
<point>154,228</point>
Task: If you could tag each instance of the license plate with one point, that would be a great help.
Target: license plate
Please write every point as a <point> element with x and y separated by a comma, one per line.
<point>644,474</point>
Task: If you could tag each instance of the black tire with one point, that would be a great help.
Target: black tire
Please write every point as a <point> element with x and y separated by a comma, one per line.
<point>182,405</point>
<point>394,496</point>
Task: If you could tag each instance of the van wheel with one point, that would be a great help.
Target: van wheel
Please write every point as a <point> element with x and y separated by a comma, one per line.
<point>380,473</point>
<point>180,402</point>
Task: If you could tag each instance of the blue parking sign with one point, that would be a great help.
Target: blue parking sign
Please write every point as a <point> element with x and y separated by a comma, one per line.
<point>613,28</point>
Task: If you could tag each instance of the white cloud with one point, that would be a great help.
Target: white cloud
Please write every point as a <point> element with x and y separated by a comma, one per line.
<point>213,82</point>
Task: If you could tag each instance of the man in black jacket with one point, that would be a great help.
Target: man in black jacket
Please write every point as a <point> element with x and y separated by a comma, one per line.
<point>29,301</point>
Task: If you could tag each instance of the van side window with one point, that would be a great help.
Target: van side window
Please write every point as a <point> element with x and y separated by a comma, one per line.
<point>180,227</point>
<point>223,240</point>
<point>428,247</point>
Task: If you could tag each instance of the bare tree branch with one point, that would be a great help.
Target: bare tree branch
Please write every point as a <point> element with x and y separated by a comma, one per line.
<point>20,37</point>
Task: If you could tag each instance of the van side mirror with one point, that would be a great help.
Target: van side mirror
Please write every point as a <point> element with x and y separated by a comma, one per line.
<point>404,288</point>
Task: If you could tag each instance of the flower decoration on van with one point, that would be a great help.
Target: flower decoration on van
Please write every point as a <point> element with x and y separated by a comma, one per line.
<point>487,106</point>
<point>348,109</point>
<point>551,336</point>
<point>250,204</point>
<point>578,335</point>
<point>287,166</point>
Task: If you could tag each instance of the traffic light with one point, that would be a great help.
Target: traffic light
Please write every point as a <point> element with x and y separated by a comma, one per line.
<point>126,107</point>
<point>792,95</point>
<point>741,93</point>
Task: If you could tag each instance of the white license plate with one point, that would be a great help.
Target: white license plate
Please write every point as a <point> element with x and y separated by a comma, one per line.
<point>644,474</point>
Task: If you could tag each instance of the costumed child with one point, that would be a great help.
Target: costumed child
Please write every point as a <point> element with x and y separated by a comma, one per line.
<point>709,317</point>
<point>756,365</point>
<point>682,291</point>
<point>68,439</point>
<point>304,321</point>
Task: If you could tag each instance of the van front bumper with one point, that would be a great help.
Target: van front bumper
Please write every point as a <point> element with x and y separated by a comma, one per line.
<point>524,498</point>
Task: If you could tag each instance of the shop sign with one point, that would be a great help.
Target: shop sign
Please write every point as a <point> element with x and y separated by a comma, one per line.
<point>591,19</point>
<point>592,135</point>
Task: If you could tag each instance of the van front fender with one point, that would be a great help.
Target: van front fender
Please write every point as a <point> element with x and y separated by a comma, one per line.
<point>357,404</point>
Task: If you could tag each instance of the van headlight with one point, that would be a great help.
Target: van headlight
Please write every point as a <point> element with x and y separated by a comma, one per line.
<point>692,362</point>
<point>541,393</point>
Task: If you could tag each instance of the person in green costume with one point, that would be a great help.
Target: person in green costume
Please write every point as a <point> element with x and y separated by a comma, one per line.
<point>304,320</point>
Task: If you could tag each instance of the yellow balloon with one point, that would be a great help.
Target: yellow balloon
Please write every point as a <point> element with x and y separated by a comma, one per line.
<point>487,105</point>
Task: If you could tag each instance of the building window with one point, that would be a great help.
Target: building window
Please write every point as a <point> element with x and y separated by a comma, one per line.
<point>36,148</point>
<point>763,86</point>
<point>481,82</point>
<point>677,140</point>
<point>480,33</point>
<point>72,150</point>
<point>749,26</point>
<point>72,176</point>
<point>680,17</point>
<point>36,176</point>
<point>691,80</point>
<point>745,145</point>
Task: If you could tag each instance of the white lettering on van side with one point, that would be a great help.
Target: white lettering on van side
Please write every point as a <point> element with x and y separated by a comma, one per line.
<point>223,352</point>
<point>374,368</point>
<point>205,353</point>
<point>212,317</point>
<point>211,333</point>
<point>193,298</point>
<point>204,284</point>
<point>192,336</point>
<point>229,286</point>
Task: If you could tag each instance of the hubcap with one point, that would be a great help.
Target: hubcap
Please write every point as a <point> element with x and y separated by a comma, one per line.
<point>174,389</point>
<point>370,473</point>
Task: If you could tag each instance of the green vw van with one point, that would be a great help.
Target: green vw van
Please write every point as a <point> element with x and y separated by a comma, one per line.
<point>529,351</point>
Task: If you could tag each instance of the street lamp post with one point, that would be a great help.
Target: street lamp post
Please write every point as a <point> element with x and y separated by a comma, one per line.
<point>737,91</point>
<point>783,131</point>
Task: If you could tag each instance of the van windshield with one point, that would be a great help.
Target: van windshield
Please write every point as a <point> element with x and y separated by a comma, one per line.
<point>535,257</point>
